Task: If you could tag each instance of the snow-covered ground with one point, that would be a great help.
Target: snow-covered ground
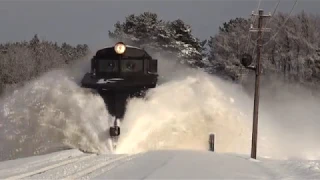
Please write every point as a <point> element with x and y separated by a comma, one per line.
<point>162,164</point>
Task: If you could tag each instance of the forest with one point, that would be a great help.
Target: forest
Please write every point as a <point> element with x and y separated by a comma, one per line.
<point>291,51</point>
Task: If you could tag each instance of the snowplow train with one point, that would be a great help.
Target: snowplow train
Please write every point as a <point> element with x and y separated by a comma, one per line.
<point>118,73</point>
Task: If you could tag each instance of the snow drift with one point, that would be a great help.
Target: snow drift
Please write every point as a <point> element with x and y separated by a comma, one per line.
<point>180,114</point>
<point>51,113</point>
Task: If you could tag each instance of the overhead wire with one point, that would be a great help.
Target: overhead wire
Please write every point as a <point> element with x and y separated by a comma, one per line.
<point>294,5</point>
<point>274,12</point>
<point>272,16</point>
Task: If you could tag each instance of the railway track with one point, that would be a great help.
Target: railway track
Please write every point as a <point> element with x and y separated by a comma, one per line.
<point>65,165</point>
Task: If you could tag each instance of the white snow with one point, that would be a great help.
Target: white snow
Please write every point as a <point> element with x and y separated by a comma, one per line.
<point>164,164</point>
<point>112,80</point>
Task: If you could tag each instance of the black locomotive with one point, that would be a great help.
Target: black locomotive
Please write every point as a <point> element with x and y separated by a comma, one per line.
<point>120,72</point>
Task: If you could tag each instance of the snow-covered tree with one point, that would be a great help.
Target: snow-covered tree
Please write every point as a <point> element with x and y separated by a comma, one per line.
<point>226,48</point>
<point>148,31</point>
<point>290,49</point>
<point>20,62</point>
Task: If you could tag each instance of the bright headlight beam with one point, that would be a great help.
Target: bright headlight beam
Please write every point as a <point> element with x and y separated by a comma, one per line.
<point>120,48</point>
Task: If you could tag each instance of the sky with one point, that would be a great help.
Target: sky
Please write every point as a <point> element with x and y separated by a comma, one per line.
<point>88,21</point>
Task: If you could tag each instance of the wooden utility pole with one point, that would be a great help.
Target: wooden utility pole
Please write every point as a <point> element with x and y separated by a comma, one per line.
<point>257,69</point>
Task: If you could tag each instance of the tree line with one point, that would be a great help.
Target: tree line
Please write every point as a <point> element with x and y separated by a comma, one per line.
<point>21,62</point>
<point>291,50</point>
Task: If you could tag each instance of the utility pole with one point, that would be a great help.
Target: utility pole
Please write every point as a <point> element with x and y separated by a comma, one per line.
<point>257,69</point>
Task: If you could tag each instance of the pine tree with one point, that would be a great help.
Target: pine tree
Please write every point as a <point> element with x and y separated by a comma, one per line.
<point>149,32</point>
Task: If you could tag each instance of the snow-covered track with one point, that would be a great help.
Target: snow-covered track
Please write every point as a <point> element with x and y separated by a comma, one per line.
<point>70,164</point>
<point>101,167</point>
<point>47,168</point>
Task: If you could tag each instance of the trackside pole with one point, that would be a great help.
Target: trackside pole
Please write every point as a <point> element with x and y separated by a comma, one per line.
<point>257,69</point>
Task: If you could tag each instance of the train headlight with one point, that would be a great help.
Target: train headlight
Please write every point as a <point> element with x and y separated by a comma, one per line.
<point>120,48</point>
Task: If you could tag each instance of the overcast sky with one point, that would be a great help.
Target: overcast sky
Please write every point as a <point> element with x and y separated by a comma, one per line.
<point>84,21</point>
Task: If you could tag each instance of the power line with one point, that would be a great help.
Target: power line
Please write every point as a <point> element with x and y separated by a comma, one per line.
<point>295,3</point>
<point>274,12</point>
<point>272,16</point>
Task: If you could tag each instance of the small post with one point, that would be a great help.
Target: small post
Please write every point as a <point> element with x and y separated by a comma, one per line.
<point>211,142</point>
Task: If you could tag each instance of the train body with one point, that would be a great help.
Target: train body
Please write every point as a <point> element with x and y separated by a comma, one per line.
<point>118,73</point>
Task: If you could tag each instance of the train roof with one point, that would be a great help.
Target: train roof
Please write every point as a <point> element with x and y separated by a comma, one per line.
<point>131,52</point>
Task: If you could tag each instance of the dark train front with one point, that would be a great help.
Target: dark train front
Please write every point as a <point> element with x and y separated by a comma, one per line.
<point>120,72</point>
